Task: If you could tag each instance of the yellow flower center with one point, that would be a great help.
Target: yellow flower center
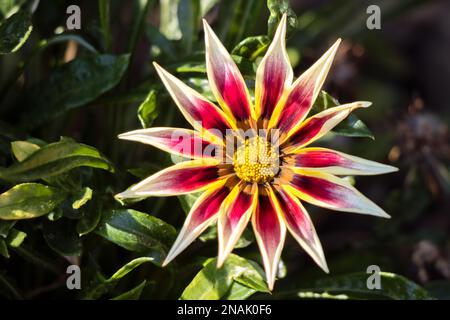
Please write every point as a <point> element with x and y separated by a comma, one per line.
<point>256,160</point>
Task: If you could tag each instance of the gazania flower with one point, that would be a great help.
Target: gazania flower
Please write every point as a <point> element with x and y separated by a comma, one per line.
<point>261,180</point>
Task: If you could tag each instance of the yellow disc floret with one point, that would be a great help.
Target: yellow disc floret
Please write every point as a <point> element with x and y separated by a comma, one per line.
<point>256,160</point>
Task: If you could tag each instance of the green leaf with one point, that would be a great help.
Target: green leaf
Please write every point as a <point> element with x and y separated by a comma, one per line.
<point>108,284</point>
<point>15,238</point>
<point>62,237</point>
<point>29,200</point>
<point>352,126</point>
<point>23,149</point>
<point>4,249</point>
<point>277,8</point>
<point>14,32</point>
<point>393,286</point>
<point>187,200</point>
<point>147,110</point>
<point>252,47</point>
<point>5,227</point>
<point>72,85</point>
<point>82,197</point>
<point>90,219</point>
<point>238,292</point>
<point>138,231</point>
<point>133,294</point>
<point>213,284</point>
<point>55,159</point>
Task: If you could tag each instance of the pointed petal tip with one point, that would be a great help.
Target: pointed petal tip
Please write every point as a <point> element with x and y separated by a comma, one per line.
<point>165,262</point>
<point>365,104</point>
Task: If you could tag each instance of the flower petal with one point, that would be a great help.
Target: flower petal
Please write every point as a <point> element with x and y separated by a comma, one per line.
<point>183,142</point>
<point>182,178</point>
<point>203,213</point>
<point>270,232</point>
<point>198,111</point>
<point>235,213</point>
<point>328,191</point>
<point>301,227</point>
<point>320,124</point>
<point>294,107</point>
<point>226,80</point>
<point>274,75</point>
<point>334,162</point>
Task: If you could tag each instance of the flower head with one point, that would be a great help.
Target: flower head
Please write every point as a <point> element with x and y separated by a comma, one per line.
<point>251,159</point>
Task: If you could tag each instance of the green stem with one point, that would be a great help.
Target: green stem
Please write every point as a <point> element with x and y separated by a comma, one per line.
<point>103,8</point>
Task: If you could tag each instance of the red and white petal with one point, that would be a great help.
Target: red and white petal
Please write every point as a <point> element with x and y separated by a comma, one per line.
<point>328,191</point>
<point>182,178</point>
<point>234,215</point>
<point>203,213</point>
<point>225,79</point>
<point>183,142</point>
<point>320,124</point>
<point>334,162</point>
<point>301,227</point>
<point>273,76</point>
<point>270,232</point>
<point>197,110</point>
<point>295,106</point>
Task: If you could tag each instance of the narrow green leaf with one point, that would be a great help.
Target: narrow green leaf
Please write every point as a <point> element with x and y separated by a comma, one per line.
<point>14,32</point>
<point>72,85</point>
<point>138,231</point>
<point>147,110</point>
<point>393,286</point>
<point>106,285</point>
<point>133,294</point>
<point>29,200</point>
<point>82,197</point>
<point>212,283</point>
<point>55,159</point>
<point>189,18</point>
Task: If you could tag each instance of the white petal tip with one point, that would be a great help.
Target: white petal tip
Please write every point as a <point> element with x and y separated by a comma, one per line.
<point>365,104</point>
<point>165,263</point>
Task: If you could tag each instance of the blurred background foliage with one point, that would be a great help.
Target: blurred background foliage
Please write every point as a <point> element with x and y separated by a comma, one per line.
<point>66,94</point>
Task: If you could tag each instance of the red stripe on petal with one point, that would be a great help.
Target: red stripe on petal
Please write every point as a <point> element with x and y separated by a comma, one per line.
<point>187,143</point>
<point>308,131</point>
<point>182,178</point>
<point>319,159</point>
<point>233,92</point>
<point>210,206</point>
<point>270,233</point>
<point>322,190</point>
<point>296,107</point>
<point>295,216</point>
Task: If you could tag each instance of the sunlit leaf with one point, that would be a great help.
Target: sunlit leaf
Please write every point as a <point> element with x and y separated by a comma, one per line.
<point>55,159</point>
<point>147,110</point>
<point>252,47</point>
<point>212,283</point>
<point>29,200</point>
